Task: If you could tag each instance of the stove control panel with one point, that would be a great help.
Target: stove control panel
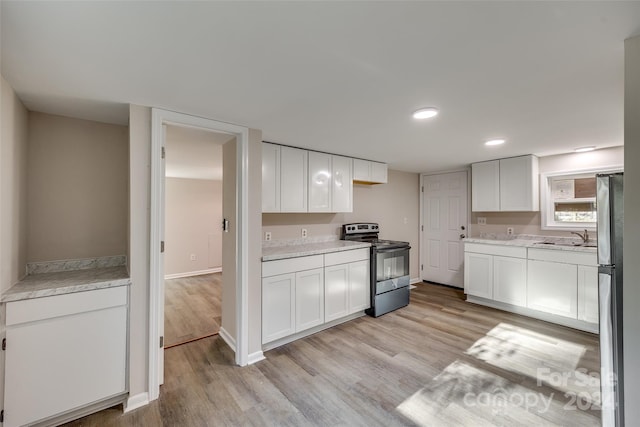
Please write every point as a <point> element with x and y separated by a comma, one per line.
<point>365,227</point>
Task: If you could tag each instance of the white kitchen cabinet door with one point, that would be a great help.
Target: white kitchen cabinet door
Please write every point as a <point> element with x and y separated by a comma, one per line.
<point>485,186</point>
<point>510,280</point>
<point>379,172</point>
<point>320,182</point>
<point>63,363</point>
<point>361,170</point>
<point>270,177</point>
<point>588,308</point>
<point>278,306</point>
<point>552,287</point>
<point>478,275</point>
<point>519,184</point>
<point>336,291</point>
<point>293,179</point>
<point>309,299</point>
<point>342,184</point>
<point>359,286</point>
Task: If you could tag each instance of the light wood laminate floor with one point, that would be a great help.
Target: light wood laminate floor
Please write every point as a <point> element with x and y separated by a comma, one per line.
<point>438,362</point>
<point>192,308</point>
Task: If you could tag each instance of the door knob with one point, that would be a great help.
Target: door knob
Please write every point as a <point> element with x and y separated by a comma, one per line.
<point>462,236</point>
<point>462,227</point>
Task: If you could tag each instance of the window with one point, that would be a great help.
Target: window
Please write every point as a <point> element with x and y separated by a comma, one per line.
<point>569,199</point>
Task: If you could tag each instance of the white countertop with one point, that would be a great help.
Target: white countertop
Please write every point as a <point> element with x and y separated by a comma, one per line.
<point>532,241</point>
<point>271,253</point>
<point>69,276</point>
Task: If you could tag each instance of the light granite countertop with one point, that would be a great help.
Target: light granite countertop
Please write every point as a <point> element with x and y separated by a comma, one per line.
<point>56,282</point>
<point>537,242</point>
<point>272,253</point>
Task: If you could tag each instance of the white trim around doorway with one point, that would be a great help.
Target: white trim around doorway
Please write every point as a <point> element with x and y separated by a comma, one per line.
<point>163,117</point>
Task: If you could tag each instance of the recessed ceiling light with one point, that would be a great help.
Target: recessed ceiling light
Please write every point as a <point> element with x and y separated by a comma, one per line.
<point>495,142</point>
<point>425,113</point>
<point>585,149</point>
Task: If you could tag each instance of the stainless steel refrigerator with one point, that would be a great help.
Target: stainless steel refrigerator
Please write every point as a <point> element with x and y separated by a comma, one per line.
<point>610,221</point>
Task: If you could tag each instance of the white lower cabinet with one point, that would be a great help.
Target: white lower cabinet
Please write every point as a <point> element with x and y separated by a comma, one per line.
<point>510,280</point>
<point>64,352</point>
<point>588,294</point>
<point>306,292</point>
<point>309,306</point>
<point>347,287</point>
<point>552,287</point>
<point>478,275</point>
<point>278,306</point>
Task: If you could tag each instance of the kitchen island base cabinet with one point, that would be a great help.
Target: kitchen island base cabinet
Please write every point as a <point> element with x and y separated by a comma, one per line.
<point>63,353</point>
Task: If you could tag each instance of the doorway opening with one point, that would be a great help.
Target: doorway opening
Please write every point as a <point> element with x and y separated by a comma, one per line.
<point>235,212</point>
<point>193,234</point>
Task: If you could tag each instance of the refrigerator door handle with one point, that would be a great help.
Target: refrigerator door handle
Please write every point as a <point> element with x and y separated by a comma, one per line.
<point>607,369</point>
<point>604,220</point>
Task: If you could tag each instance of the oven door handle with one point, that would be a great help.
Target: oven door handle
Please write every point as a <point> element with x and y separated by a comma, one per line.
<point>403,248</point>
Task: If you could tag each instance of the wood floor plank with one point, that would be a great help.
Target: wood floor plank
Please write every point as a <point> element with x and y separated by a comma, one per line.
<point>192,308</point>
<point>438,362</point>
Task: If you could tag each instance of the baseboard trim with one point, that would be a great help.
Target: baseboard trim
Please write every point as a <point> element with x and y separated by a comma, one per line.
<point>231,342</point>
<point>255,357</point>
<point>415,280</point>
<point>192,273</point>
<point>136,401</point>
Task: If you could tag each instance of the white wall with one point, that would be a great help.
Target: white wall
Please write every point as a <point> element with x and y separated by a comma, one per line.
<point>77,188</point>
<point>13,197</point>
<point>193,218</point>
<point>139,220</point>
<point>387,204</point>
<point>631,277</point>
<point>529,222</point>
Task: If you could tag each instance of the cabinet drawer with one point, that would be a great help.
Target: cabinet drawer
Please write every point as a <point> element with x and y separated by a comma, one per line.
<point>500,250</point>
<point>63,305</point>
<point>291,265</point>
<point>568,257</point>
<point>344,257</point>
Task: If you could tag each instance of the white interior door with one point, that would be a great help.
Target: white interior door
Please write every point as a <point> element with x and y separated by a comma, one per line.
<point>444,225</point>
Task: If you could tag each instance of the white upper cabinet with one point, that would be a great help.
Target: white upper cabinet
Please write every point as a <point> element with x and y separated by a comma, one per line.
<point>320,182</point>
<point>367,172</point>
<point>270,177</point>
<point>293,180</point>
<point>505,185</point>
<point>485,186</point>
<point>519,184</point>
<point>342,185</point>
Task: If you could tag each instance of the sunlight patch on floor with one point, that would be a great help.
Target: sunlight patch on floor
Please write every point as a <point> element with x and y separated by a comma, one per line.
<point>465,395</point>
<point>549,360</point>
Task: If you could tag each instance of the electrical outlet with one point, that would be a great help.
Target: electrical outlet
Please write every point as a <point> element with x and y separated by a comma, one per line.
<point>509,231</point>
<point>304,232</point>
<point>482,220</point>
<point>193,257</point>
<point>267,235</point>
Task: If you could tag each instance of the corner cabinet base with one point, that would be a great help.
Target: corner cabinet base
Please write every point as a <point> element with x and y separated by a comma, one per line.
<point>286,340</point>
<point>547,317</point>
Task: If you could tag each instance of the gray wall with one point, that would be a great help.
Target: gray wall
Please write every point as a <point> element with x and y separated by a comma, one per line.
<point>631,287</point>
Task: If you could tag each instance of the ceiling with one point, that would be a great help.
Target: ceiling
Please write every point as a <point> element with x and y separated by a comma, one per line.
<point>194,153</point>
<point>342,77</point>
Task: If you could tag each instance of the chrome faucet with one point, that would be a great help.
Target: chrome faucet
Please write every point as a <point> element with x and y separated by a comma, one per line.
<point>584,237</point>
